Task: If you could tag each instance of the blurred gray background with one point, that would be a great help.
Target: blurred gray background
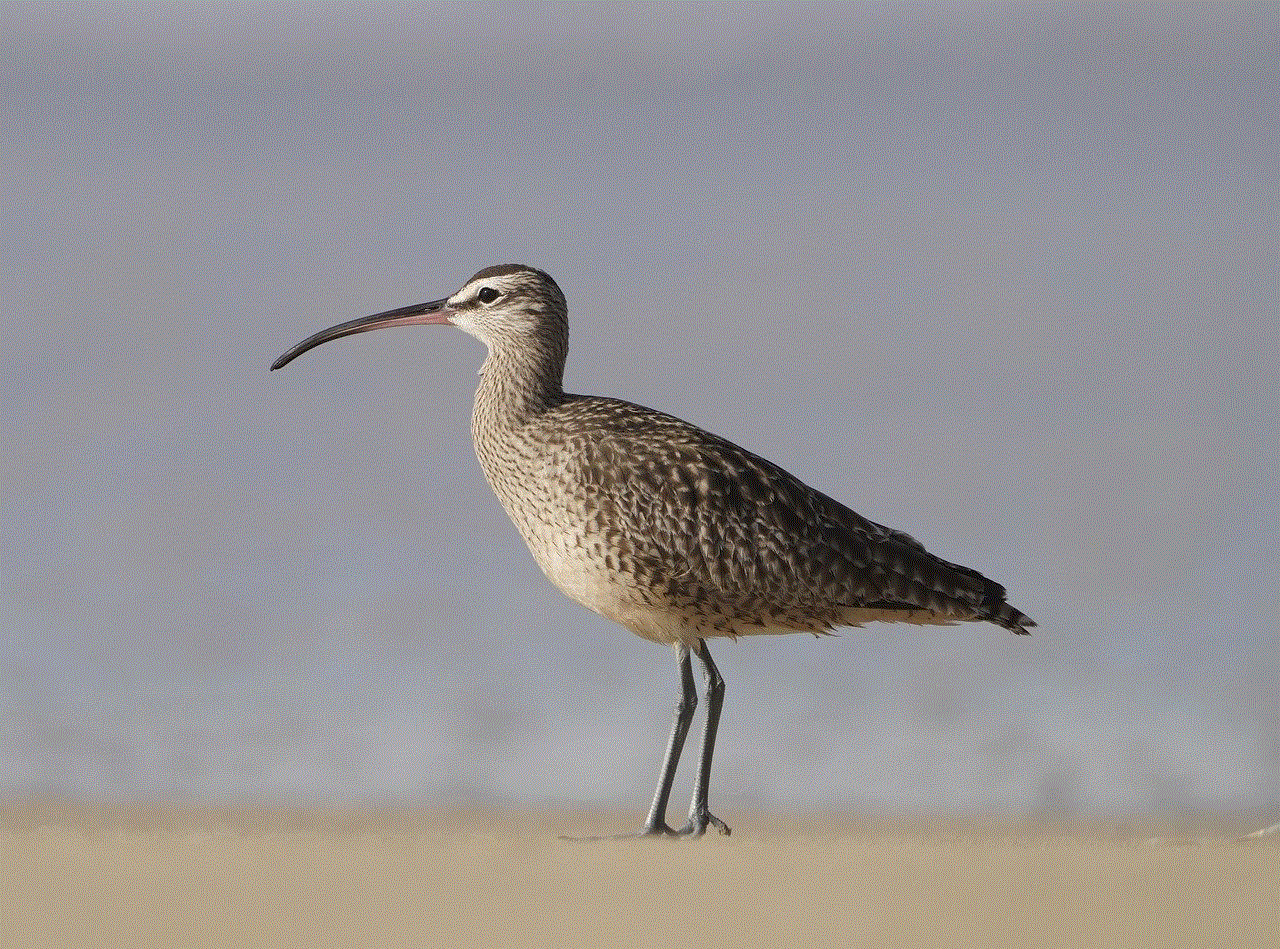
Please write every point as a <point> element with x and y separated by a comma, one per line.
<point>1002,277</point>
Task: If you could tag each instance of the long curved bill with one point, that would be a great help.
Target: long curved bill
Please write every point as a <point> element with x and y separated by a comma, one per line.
<point>436,311</point>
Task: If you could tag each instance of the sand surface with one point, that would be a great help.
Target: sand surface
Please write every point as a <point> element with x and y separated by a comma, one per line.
<point>140,876</point>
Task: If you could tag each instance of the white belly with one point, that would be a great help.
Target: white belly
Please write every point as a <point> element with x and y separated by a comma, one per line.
<point>585,574</point>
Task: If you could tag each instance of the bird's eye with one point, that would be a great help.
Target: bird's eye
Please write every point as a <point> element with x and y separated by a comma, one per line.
<point>487,295</point>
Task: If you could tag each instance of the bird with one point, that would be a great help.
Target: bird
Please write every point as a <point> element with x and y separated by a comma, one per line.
<point>676,534</point>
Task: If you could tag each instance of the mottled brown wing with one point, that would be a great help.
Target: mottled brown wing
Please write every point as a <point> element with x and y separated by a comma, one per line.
<point>713,519</point>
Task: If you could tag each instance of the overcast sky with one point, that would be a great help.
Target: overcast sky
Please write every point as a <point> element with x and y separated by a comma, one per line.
<point>1002,277</point>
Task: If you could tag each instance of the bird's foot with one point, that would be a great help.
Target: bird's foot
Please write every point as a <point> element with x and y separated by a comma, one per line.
<point>699,821</point>
<point>696,827</point>
<point>660,830</point>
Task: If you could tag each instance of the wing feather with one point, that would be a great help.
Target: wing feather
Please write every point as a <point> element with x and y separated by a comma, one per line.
<point>708,519</point>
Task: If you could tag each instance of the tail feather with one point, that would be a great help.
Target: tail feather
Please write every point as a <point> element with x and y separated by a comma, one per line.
<point>999,611</point>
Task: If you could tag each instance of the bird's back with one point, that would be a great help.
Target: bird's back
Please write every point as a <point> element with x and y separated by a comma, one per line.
<point>679,534</point>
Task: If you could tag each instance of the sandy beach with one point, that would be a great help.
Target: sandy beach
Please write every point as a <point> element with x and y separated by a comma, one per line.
<point>141,876</point>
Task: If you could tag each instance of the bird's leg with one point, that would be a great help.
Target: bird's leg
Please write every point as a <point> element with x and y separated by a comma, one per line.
<point>700,816</point>
<point>656,823</point>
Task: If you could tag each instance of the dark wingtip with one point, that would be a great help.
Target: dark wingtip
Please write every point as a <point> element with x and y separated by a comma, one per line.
<point>998,610</point>
<point>1019,624</point>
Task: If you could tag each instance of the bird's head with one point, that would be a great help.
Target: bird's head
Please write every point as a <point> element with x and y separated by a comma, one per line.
<point>510,304</point>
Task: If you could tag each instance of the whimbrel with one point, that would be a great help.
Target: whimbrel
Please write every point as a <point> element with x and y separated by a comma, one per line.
<point>670,531</point>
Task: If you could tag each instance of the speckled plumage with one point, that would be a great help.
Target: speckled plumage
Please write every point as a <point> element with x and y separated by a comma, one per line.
<point>672,532</point>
